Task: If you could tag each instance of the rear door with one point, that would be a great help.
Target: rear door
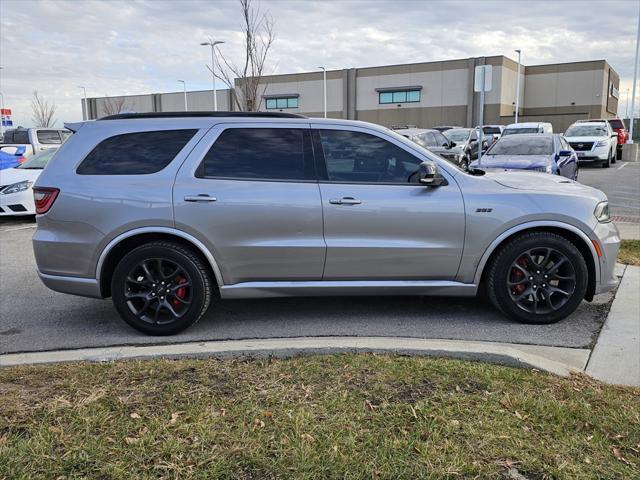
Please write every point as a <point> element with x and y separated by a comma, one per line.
<point>379,223</point>
<point>249,192</point>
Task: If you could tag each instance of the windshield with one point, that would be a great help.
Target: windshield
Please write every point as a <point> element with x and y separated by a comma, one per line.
<point>457,135</point>
<point>586,131</point>
<point>39,160</point>
<point>616,123</point>
<point>513,131</point>
<point>534,145</point>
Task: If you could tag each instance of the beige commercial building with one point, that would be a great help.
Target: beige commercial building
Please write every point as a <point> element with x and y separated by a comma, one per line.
<point>424,94</point>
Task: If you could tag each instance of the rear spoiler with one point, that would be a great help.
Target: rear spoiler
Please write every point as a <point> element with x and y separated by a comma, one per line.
<point>74,127</point>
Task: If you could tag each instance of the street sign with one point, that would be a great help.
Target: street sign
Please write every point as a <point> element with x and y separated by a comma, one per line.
<point>5,112</point>
<point>483,78</point>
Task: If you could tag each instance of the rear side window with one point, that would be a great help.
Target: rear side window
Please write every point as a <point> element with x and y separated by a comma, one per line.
<point>49,136</point>
<point>258,153</point>
<point>135,153</point>
<point>17,136</point>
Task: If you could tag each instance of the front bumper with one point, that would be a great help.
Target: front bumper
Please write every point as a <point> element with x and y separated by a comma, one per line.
<point>599,154</point>
<point>609,240</point>
<point>20,203</point>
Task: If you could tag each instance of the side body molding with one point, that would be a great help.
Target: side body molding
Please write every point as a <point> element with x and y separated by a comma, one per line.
<point>170,231</point>
<point>538,224</point>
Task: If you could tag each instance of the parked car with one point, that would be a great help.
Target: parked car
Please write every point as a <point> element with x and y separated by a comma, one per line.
<point>35,139</point>
<point>594,142</point>
<point>166,212</point>
<point>528,127</point>
<point>620,128</point>
<point>432,140</point>
<point>534,152</point>
<point>492,132</point>
<point>466,146</point>
<point>16,194</point>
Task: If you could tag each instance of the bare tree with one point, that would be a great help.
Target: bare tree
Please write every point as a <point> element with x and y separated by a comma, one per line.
<point>258,33</point>
<point>43,112</point>
<point>113,106</point>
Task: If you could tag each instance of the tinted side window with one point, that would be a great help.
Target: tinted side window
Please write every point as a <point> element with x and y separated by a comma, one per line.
<point>361,157</point>
<point>17,136</point>
<point>257,153</point>
<point>135,153</point>
<point>48,136</point>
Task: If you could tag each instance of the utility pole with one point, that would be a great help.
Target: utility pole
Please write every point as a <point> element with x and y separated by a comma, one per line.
<point>517,87</point>
<point>184,85</point>
<point>635,83</point>
<point>213,44</point>
<point>324,88</point>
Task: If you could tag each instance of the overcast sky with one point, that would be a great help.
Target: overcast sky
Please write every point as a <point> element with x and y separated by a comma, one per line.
<point>116,48</point>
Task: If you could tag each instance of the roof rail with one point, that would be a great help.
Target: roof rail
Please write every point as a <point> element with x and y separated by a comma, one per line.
<point>127,116</point>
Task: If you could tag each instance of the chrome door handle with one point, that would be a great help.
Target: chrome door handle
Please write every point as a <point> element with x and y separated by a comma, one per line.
<point>199,198</point>
<point>345,201</point>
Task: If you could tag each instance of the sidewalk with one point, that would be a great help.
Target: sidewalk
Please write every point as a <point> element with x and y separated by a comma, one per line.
<point>628,231</point>
<point>616,356</point>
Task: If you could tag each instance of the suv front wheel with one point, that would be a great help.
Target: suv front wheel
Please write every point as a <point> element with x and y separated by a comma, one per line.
<point>161,288</point>
<point>538,278</point>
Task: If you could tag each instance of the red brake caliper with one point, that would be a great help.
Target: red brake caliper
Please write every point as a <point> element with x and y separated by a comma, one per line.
<point>517,275</point>
<point>181,292</point>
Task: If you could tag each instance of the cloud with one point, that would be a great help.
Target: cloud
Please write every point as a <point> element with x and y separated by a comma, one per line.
<point>115,48</point>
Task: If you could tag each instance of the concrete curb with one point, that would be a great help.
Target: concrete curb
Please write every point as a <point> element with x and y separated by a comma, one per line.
<point>616,357</point>
<point>557,360</point>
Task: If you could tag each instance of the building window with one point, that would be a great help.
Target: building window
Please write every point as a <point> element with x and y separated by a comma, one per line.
<point>399,96</point>
<point>281,102</point>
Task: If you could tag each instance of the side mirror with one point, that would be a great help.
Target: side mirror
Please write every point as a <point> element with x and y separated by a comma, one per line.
<point>452,144</point>
<point>429,176</point>
<point>565,153</point>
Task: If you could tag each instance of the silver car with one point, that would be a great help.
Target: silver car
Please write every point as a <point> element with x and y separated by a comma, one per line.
<point>166,213</point>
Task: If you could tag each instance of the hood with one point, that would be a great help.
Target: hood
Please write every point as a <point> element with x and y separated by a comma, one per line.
<point>15,175</point>
<point>586,139</point>
<point>520,162</point>
<point>543,182</point>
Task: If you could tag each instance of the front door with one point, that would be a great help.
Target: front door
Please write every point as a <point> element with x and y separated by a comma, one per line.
<point>251,196</point>
<point>378,222</point>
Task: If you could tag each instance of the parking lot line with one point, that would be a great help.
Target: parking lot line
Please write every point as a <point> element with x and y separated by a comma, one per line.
<point>623,165</point>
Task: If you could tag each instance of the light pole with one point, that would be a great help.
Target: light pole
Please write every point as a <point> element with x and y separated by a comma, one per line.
<point>635,82</point>
<point>626,108</point>
<point>184,85</point>
<point>324,88</point>
<point>2,107</point>
<point>213,69</point>
<point>517,87</point>
<point>85,110</point>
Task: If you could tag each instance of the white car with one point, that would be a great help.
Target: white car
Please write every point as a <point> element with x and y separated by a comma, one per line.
<point>593,142</point>
<point>16,195</point>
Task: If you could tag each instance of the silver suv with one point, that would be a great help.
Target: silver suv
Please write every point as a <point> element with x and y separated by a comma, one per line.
<point>167,212</point>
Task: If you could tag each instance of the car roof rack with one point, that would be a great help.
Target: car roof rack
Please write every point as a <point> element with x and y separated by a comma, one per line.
<point>129,116</point>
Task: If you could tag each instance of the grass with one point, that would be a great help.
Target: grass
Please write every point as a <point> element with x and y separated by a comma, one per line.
<point>629,252</point>
<point>340,416</point>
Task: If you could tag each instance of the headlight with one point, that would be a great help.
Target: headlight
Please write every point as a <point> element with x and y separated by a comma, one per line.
<point>602,212</point>
<point>602,143</point>
<point>16,187</point>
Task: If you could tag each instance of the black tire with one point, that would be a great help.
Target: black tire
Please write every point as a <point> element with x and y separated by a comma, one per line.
<point>614,155</point>
<point>502,287</point>
<point>464,164</point>
<point>136,291</point>
<point>607,162</point>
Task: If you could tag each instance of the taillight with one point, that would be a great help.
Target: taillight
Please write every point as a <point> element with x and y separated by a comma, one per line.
<point>21,160</point>
<point>44,197</point>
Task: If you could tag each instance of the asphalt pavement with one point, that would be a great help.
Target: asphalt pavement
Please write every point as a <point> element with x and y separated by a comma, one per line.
<point>34,318</point>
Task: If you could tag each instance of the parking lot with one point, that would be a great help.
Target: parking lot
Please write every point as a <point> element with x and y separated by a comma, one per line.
<point>34,318</point>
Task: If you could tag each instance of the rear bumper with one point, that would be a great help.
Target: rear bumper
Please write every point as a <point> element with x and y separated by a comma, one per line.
<point>84,287</point>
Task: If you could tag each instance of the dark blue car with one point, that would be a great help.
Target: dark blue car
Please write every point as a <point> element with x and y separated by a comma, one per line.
<point>538,152</point>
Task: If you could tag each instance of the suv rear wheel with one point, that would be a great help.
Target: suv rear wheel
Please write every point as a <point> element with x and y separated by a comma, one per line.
<point>538,278</point>
<point>161,288</point>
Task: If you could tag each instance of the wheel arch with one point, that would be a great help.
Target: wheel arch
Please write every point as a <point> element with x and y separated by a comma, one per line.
<point>573,234</point>
<point>127,241</point>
